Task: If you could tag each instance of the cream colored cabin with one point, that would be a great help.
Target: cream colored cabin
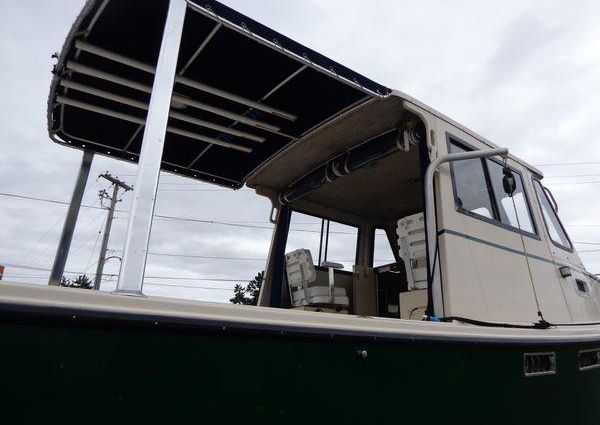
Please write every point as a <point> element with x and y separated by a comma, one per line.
<point>499,258</point>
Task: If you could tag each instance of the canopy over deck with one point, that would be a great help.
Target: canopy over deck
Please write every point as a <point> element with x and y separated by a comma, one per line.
<point>243,92</point>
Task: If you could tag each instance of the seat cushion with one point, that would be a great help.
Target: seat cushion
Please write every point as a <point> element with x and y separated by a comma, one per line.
<point>320,295</point>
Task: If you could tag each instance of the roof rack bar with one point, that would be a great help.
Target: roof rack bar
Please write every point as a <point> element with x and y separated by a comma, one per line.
<point>202,123</point>
<point>92,23</point>
<point>262,99</point>
<point>218,111</point>
<point>284,82</point>
<point>98,51</point>
<point>182,71</point>
<point>107,54</point>
<point>173,114</point>
<point>136,120</point>
<point>92,72</point>
<point>132,138</point>
<point>222,93</point>
<point>200,48</point>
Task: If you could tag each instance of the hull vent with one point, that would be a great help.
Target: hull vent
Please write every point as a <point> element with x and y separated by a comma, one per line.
<point>589,359</point>
<point>536,364</point>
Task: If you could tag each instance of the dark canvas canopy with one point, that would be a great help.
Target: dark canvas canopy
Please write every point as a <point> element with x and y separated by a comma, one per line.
<point>243,92</point>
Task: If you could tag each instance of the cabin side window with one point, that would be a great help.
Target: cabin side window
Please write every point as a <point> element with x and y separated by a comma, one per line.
<point>327,240</point>
<point>557,232</point>
<point>479,192</point>
<point>471,188</point>
<point>382,250</point>
<point>513,211</point>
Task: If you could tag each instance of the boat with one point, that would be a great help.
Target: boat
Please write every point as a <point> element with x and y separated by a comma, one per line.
<point>486,315</point>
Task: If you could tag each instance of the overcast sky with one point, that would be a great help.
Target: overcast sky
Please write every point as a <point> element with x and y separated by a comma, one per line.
<point>524,74</point>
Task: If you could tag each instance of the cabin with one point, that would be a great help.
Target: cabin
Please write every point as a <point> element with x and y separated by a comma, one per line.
<point>499,258</point>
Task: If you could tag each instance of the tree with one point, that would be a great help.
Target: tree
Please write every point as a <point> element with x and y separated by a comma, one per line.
<point>82,282</point>
<point>248,294</point>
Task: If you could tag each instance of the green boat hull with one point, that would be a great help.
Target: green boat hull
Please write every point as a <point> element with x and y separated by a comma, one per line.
<point>119,369</point>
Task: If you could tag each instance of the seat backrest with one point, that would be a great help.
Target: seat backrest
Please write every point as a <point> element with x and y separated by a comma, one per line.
<point>299,268</point>
<point>413,249</point>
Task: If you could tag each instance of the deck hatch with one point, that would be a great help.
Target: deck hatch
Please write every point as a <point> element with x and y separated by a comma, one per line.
<point>538,364</point>
<point>243,92</point>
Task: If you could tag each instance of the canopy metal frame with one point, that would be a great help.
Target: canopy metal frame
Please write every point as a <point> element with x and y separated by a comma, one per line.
<point>248,126</point>
<point>137,239</point>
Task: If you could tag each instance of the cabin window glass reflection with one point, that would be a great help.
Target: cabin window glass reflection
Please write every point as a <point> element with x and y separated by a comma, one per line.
<point>555,229</point>
<point>512,211</point>
<point>471,185</point>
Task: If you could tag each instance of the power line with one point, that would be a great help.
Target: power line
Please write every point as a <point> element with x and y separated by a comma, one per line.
<point>205,190</point>
<point>224,280</point>
<point>188,286</point>
<point>166,217</point>
<point>566,164</point>
<point>572,176</point>
<point>233,224</point>
<point>18,276</point>
<point>34,246</point>
<point>89,261</point>
<point>205,257</point>
<point>572,183</point>
<point>52,201</point>
<point>202,221</point>
<point>224,223</point>
<point>215,257</point>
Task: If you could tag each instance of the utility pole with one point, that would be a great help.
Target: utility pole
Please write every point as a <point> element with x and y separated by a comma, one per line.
<point>117,184</point>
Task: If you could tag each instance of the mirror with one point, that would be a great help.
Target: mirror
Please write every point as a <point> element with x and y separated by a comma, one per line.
<point>508,181</point>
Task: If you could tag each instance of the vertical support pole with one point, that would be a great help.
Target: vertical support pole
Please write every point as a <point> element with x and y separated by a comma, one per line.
<point>326,242</point>
<point>321,241</point>
<point>278,294</point>
<point>105,238</point>
<point>146,184</point>
<point>62,252</point>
